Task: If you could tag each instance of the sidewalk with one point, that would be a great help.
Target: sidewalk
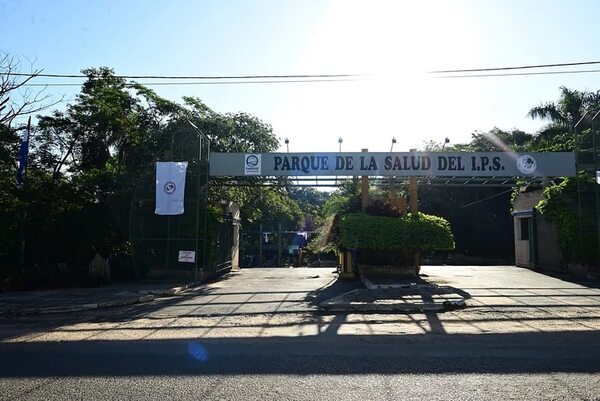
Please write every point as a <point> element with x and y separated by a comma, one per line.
<point>80,299</point>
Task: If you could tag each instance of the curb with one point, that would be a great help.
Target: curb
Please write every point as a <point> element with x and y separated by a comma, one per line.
<point>370,286</point>
<point>169,292</point>
<point>350,307</point>
<point>348,302</point>
<point>77,308</point>
<point>147,296</point>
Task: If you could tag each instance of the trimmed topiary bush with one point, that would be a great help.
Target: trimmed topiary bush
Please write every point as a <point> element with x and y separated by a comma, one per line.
<point>409,232</point>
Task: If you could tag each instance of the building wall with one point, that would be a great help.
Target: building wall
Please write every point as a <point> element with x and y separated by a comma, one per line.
<point>548,251</point>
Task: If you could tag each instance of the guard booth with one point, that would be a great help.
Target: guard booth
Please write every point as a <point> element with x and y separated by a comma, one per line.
<point>536,239</point>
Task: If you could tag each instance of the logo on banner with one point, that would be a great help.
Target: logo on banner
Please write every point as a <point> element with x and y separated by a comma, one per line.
<point>526,164</point>
<point>252,164</point>
<point>169,187</point>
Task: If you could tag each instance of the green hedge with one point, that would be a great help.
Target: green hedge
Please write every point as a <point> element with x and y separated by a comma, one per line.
<point>421,231</point>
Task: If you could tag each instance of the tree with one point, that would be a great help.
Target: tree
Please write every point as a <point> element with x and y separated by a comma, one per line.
<point>569,109</point>
<point>563,199</point>
<point>16,99</point>
<point>87,162</point>
<point>310,201</point>
<point>562,116</point>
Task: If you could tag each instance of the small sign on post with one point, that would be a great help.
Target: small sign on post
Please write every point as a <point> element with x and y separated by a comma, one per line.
<point>187,256</point>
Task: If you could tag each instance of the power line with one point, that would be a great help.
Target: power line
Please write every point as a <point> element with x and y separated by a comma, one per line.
<point>516,74</point>
<point>209,82</point>
<point>298,76</point>
<point>515,68</point>
<point>82,76</point>
<point>484,199</point>
<point>276,79</point>
<point>356,79</point>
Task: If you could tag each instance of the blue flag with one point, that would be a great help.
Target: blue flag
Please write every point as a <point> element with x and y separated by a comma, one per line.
<point>23,154</point>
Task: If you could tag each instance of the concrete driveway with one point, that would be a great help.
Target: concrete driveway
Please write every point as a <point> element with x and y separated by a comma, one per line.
<point>267,302</point>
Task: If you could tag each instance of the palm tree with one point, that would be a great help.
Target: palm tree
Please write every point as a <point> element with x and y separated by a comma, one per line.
<point>565,113</point>
<point>562,117</point>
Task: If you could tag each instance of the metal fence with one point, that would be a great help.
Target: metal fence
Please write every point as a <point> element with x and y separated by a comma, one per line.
<point>157,240</point>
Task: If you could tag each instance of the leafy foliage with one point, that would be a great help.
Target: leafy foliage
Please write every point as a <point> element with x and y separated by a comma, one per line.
<point>559,205</point>
<point>344,200</point>
<point>87,161</point>
<point>419,232</point>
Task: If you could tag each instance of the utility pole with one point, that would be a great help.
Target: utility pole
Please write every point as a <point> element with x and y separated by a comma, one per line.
<point>597,195</point>
<point>577,181</point>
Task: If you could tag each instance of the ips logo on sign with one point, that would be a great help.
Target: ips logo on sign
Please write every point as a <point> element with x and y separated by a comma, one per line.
<point>252,164</point>
<point>526,164</point>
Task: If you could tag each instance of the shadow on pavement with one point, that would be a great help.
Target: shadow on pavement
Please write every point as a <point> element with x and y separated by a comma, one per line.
<point>336,288</point>
<point>316,355</point>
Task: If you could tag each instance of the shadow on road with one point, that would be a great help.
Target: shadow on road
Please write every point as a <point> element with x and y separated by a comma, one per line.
<point>317,355</point>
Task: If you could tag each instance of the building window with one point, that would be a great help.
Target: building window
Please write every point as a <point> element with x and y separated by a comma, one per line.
<point>524,229</point>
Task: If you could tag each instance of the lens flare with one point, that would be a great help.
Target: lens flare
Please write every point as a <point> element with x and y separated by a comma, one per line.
<point>197,351</point>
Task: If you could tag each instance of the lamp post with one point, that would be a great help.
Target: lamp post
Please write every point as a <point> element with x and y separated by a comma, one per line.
<point>393,142</point>
<point>287,147</point>
<point>340,140</point>
<point>446,141</point>
<point>198,194</point>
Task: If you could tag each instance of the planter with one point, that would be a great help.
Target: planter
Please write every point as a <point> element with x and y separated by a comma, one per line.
<point>388,272</point>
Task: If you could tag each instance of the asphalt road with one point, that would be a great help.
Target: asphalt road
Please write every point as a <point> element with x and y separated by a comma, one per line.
<point>256,336</point>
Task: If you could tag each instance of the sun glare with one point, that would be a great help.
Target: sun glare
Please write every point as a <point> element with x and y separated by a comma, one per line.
<point>394,44</point>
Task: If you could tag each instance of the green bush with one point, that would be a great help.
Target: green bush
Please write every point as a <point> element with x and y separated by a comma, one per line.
<point>417,232</point>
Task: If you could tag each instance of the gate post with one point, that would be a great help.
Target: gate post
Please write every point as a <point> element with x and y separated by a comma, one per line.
<point>346,268</point>
<point>260,245</point>
<point>279,246</point>
<point>414,209</point>
<point>234,209</point>
<point>364,190</point>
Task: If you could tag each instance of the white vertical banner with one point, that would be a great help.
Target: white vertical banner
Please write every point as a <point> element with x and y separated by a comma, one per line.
<point>170,187</point>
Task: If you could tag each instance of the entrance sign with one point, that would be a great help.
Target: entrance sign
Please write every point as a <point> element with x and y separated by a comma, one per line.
<point>447,164</point>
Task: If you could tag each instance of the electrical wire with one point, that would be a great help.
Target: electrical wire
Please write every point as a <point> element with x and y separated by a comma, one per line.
<point>515,68</point>
<point>82,76</point>
<point>299,76</point>
<point>516,74</point>
<point>307,78</point>
<point>484,199</point>
<point>206,82</point>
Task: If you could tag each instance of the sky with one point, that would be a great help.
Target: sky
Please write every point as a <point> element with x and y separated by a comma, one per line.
<point>395,43</point>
